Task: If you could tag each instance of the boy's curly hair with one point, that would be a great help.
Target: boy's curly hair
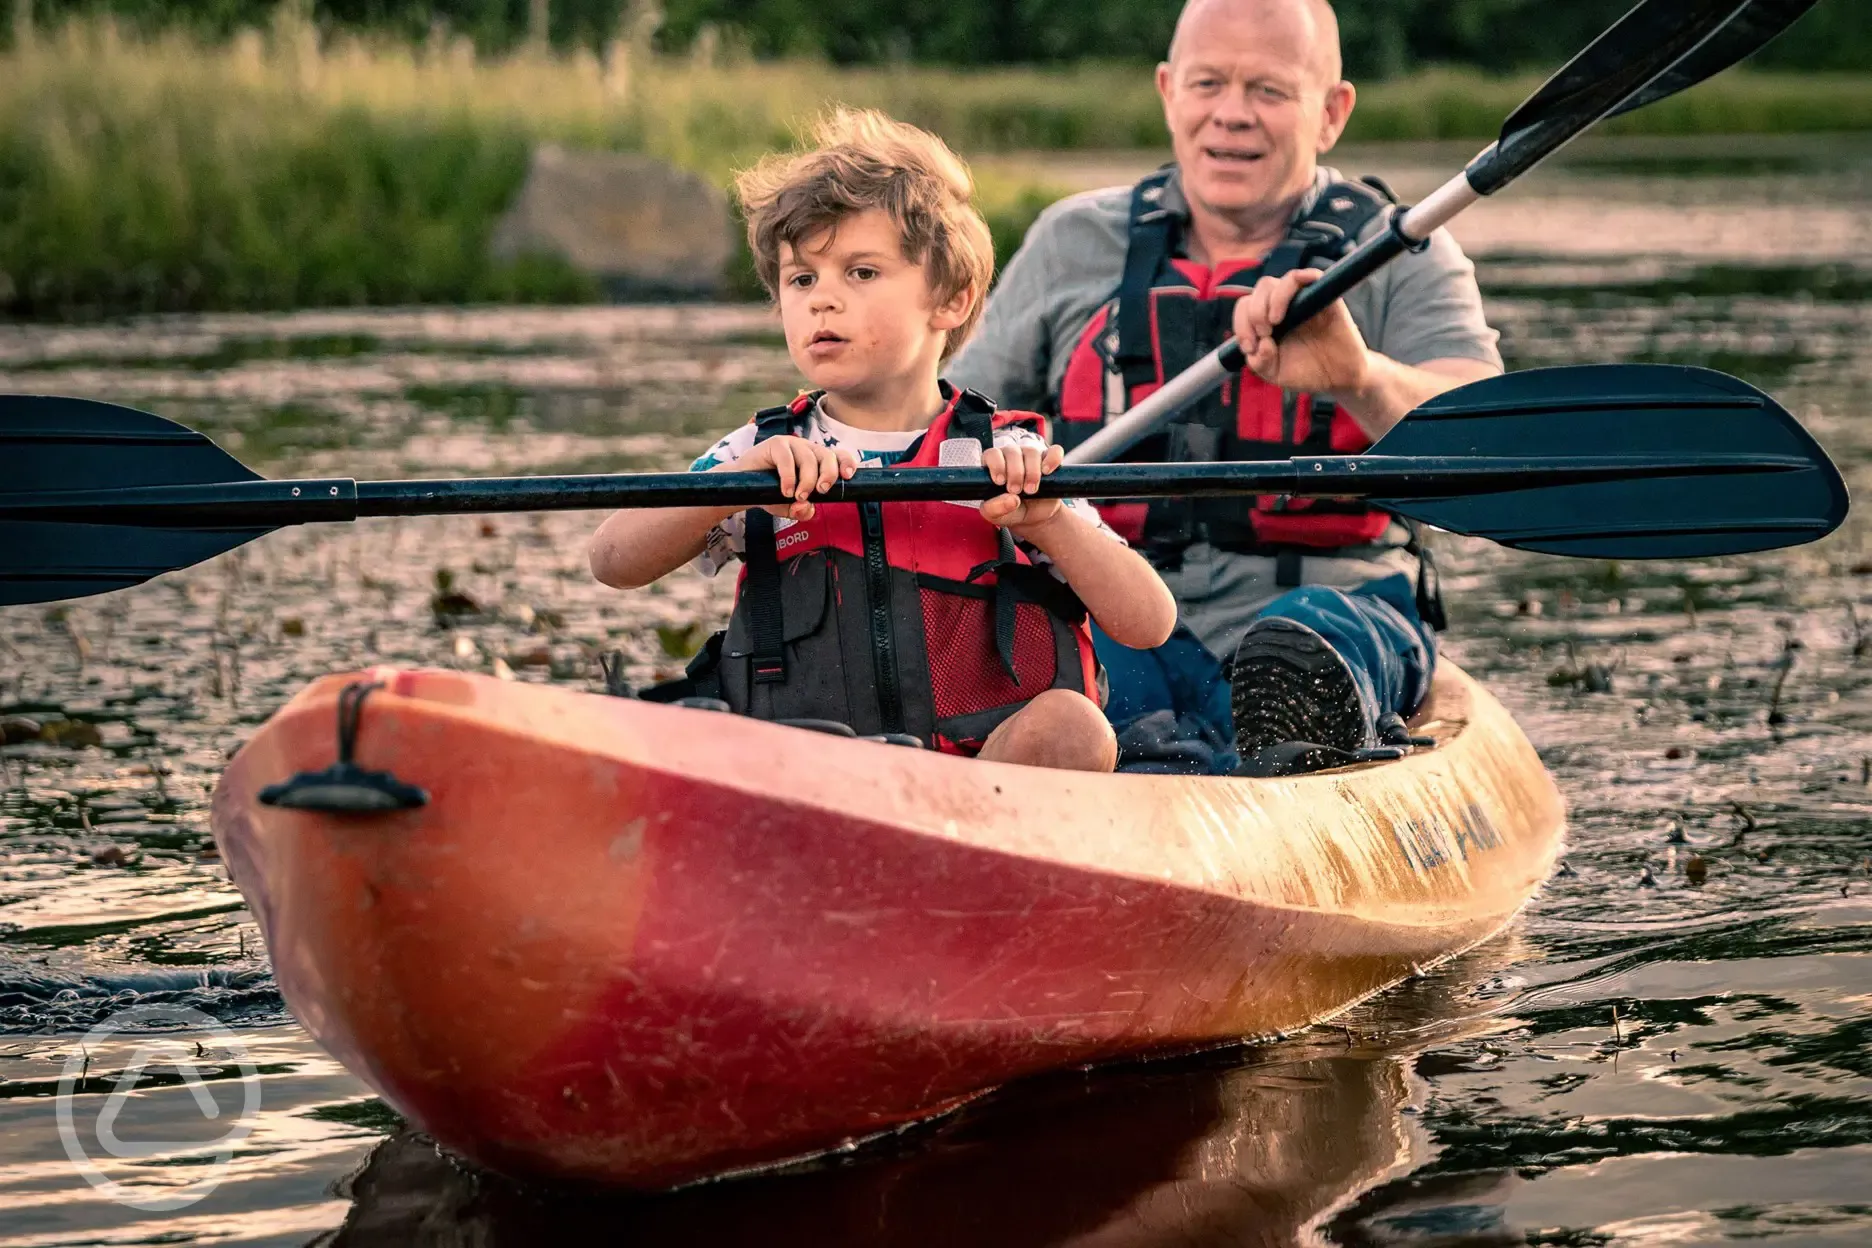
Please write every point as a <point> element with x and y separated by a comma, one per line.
<point>862,159</point>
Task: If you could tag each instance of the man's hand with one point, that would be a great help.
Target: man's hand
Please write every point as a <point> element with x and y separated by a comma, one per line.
<point>1020,470</point>
<point>1327,355</point>
<point>804,468</point>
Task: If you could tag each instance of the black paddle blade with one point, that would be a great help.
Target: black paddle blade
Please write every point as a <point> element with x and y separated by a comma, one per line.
<point>1748,32</point>
<point>1637,410</point>
<point>48,444</point>
<point>1616,68</point>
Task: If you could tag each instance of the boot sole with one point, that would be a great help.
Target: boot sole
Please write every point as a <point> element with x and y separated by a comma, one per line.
<point>1289,684</point>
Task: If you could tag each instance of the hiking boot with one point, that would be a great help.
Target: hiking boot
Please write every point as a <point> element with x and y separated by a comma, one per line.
<point>1289,685</point>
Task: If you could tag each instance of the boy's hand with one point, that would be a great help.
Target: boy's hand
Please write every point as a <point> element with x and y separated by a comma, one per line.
<point>804,468</point>
<point>1020,470</point>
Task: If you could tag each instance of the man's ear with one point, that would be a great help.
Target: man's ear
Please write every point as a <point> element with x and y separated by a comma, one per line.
<point>954,311</point>
<point>1341,97</point>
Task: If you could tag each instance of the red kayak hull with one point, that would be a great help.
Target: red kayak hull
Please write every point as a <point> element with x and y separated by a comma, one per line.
<point>645,945</point>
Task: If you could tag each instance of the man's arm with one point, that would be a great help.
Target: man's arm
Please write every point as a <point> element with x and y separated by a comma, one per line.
<point>1428,334</point>
<point>1393,390</point>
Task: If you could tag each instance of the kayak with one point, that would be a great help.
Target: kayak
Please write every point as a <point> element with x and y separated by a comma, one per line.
<point>641,944</point>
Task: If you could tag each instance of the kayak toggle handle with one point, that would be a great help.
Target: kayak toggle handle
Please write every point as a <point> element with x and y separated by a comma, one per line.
<point>344,788</point>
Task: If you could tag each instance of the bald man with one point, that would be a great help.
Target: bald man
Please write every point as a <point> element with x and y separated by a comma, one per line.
<point>1322,605</point>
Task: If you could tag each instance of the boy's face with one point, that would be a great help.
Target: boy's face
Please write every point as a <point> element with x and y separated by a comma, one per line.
<point>855,312</point>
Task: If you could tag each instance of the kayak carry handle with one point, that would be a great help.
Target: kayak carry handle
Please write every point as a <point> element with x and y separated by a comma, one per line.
<point>344,788</point>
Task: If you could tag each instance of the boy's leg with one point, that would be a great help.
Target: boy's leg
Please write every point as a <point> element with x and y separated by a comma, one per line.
<point>1060,729</point>
<point>1332,667</point>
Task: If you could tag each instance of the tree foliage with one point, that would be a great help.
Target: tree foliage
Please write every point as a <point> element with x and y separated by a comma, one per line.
<point>1382,37</point>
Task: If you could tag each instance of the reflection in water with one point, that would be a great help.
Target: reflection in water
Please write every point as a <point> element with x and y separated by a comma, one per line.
<point>1198,1152</point>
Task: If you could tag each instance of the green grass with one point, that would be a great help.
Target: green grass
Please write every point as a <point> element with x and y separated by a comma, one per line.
<point>281,170</point>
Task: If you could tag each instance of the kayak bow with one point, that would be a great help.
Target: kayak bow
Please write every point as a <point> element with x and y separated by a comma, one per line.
<point>605,951</point>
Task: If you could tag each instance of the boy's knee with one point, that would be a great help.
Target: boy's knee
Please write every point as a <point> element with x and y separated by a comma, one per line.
<point>1059,728</point>
<point>1068,707</point>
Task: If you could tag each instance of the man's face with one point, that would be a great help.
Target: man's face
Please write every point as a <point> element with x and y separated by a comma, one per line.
<point>1249,105</point>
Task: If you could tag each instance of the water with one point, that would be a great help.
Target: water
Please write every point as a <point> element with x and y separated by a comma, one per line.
<point>1642,1059</point>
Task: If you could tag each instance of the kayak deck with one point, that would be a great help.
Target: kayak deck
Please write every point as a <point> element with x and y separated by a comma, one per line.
<point>644,944</point>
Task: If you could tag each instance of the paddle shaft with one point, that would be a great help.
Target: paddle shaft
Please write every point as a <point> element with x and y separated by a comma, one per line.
<point>242,504</point>
<point>1520,148</point>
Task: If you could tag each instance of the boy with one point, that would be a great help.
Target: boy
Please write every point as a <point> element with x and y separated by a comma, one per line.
<point>961,626</point>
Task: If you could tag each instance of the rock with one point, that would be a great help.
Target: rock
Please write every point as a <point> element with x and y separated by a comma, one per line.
<point>73,734</point>
<point>15,729</point>
<point>641,227</point>
<point>454,607</point>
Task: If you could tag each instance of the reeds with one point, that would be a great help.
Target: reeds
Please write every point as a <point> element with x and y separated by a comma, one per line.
<point>284,169</point>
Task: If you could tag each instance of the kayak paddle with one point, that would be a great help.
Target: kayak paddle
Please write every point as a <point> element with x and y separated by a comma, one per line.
<point>1587,461</point>
<point>1659,48</point>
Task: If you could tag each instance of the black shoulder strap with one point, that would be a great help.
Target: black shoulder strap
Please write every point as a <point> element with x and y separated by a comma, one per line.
<point>1319,434</point>
<point>771,422</point>
<point>761,595</point>
<point>1331,227</point>
<point>1327,232</point>
<point>1150,241</point>
<point>972,416</point>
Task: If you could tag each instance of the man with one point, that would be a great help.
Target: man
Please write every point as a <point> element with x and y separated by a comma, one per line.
<point>1321,603</point>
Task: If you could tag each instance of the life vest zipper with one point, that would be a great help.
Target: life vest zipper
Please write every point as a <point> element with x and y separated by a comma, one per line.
<point>878,603</point>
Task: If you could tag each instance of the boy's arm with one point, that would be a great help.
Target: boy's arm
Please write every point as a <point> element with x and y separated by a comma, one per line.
<point>1122,592</point>
<point>633,548</point>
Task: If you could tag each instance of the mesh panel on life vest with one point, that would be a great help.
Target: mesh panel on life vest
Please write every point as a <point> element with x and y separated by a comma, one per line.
<point>965,671</point>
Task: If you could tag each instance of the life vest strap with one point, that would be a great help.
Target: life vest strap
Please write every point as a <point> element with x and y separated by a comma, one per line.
<point>1154,299</point>
<point>766,619</point>
<point>1009,603</point>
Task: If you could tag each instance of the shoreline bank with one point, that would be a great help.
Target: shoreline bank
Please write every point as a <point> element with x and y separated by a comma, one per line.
<point>285,170</point>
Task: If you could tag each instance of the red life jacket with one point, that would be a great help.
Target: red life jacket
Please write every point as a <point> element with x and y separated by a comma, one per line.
<point>1168,313</point>
<point>918,618</point>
